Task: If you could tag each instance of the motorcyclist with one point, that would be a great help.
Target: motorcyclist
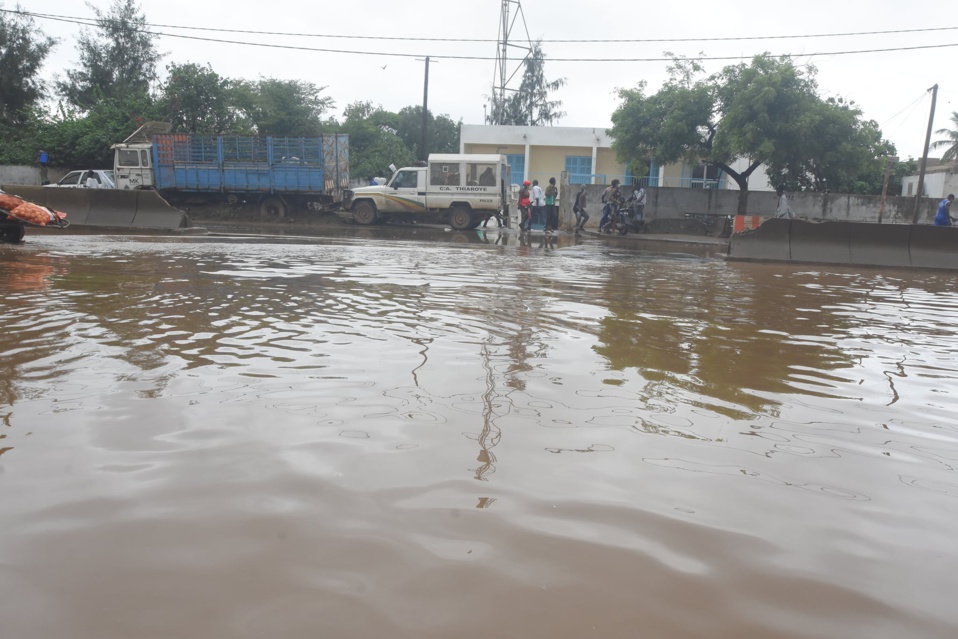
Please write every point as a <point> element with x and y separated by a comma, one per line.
<point>613,199</point>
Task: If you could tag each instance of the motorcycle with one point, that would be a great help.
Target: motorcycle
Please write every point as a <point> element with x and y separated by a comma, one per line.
<point>627,217</point>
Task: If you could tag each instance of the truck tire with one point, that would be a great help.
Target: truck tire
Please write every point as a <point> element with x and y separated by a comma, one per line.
<point>272,205</point>
<point>11,232</point>
<point>460,218</point>
<point>364,213</point>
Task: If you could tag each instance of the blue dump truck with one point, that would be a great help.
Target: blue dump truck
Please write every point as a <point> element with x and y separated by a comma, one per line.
<point>277,173</point>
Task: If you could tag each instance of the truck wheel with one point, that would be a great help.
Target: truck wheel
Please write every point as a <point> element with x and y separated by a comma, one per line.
<point>364,213</point>
<point>12,232</point>
<point>460,218</point>
<point>272,206</point>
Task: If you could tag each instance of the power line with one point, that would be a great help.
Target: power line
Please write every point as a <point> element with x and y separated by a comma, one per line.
<point>94,22</point>
<point>290,47</point>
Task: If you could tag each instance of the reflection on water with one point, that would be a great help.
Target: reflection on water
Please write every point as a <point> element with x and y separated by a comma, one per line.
<point>377,433</point>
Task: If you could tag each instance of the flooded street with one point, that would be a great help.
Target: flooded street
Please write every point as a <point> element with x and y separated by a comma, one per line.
<point>417,434</point>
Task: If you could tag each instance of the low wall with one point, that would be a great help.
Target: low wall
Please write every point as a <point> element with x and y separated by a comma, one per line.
<point>27,175</point>
<point>670,203</point>
<point>106,207</point>
<point>851,243</point>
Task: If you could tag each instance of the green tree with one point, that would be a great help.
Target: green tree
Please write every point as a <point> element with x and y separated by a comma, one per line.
<point>117,59</point>
<point>767,111</point>
<point>283,107</point>
<point>374,143</point>
<point>75,139</point>
<point>950,141</point>
<point>442,132</point>
<point>23,48</point>
<point>196,99</point>
<point>530,105</point>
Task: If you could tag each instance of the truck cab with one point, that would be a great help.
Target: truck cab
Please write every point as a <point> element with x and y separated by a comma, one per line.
<point>133,165</point>
<point>462,190</point>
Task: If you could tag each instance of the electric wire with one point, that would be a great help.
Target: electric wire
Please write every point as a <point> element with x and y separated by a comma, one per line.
<point>95,21</point>
<point>394,54</point>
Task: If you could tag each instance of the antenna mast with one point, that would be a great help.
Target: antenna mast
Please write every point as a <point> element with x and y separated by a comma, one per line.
<point>509,16</point>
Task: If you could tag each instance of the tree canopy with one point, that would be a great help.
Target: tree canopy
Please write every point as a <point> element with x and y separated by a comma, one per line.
<point>23,48</point>
<point>950,142</point>
<point>117,59</point>
<point>768,112</point>
<point>530,104</point>
<point>196,99</point>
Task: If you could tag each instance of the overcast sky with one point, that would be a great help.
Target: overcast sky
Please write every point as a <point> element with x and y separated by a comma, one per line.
<point>890,87</point>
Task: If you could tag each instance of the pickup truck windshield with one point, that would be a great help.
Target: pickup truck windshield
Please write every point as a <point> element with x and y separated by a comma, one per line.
<point>405,180</point>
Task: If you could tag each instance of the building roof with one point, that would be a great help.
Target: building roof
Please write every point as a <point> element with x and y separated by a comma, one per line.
<point>471,157</point>
<point>535,135</point>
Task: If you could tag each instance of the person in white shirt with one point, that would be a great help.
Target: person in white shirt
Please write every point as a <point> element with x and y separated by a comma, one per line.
<point>640,204</point>
<point>91,181</point>
<point>783,210</point>
<point>538,201</point>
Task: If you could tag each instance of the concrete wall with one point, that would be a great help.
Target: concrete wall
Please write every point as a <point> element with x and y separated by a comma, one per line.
<point>674,203</point>
<point>28,175</point>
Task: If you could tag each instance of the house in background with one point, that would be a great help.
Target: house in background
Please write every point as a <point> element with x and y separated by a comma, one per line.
<point>940,180</point>
<point>541,152</point>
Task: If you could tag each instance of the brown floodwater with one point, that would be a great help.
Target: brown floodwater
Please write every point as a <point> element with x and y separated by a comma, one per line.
<point>410,433</point>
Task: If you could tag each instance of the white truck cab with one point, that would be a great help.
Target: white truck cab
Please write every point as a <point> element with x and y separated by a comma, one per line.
<point>133,165</point>
<point>133,158</point>
<point>461,189</point>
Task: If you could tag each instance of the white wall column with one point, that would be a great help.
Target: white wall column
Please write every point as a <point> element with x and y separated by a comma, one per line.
<point>525,169</point>
<point>595,157</point>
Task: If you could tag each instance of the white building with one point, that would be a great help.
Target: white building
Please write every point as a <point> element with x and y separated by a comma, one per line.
<point>940,180</point>
<point>541,152</point>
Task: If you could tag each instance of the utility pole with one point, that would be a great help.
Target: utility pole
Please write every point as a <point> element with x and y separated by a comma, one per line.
<point>924,154</point>
<point>423,151</point>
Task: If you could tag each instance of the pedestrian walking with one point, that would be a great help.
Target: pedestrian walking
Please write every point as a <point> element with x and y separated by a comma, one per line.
<point>783,210</point>
<point>552,211</point>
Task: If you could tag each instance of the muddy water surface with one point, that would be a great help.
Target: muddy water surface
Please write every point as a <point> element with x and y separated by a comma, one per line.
<point>386,436</point>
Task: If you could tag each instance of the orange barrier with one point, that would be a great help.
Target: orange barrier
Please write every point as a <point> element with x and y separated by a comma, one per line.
<point>744,223</point>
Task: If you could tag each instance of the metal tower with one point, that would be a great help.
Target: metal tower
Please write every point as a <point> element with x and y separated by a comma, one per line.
<point>510,14</point>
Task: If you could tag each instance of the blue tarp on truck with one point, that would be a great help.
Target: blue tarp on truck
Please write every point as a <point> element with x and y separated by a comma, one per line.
<point>294,167</point>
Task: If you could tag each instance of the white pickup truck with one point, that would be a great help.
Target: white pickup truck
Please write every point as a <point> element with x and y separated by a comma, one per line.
<point>462,190</point>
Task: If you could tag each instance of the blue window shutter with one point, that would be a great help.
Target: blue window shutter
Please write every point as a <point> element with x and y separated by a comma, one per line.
<point>579,168</point>
<point>518,163</point>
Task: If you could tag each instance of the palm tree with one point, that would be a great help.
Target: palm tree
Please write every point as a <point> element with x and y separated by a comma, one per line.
<point>951,141</point>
